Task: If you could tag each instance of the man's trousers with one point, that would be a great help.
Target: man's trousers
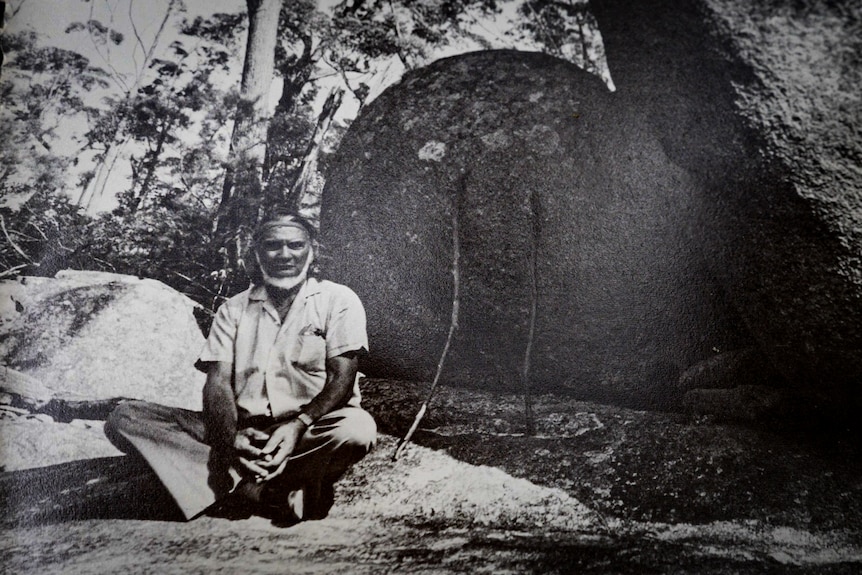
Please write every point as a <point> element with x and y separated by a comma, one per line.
<point>171,440</point>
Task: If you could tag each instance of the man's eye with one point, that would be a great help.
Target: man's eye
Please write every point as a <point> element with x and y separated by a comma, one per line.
<point>274,246</point>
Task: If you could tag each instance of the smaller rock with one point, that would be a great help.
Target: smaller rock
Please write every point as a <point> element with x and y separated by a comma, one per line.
<point>15,382</point>
<point>98,336</point>
<point>28,443</point>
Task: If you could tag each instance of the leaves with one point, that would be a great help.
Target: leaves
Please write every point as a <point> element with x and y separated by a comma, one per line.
<point>100,33</point>
<point>42,86</point>
<point>43,234</point>
<point>157,136</point>
<point>169,121</point>
<point>220,28</point>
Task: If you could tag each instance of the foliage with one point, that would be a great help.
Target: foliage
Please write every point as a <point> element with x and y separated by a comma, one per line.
<point>152,120</point>
<point>168,117</point>
<point>83,125</point>
<point>168,241</point>
<point>43,88</point>
<point>44,235</point>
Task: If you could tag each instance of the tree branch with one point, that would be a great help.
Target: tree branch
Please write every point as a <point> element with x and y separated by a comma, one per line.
<point>400,39</point>
<point>540,20</point>
<point>148,56</point>
<point>535,211</point>
<point>115,76</point>
<point>15,11</point>
<point>13,270</point>
<point>137,35</point>
<point>195,283</point>
<point>12,243</point>
<point>453,324</point>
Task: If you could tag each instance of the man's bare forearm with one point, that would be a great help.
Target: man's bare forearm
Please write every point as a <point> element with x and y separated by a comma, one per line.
<point>220,414</point>
<point>340,377</point>
<point>286,434</point>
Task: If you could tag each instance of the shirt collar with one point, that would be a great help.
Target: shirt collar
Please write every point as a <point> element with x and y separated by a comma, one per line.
<point>307,289</point>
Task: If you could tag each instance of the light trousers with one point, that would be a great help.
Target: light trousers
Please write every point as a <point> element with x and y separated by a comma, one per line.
<point>171,440</point>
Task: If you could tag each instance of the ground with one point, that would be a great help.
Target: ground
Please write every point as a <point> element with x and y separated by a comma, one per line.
<point>598,489</point>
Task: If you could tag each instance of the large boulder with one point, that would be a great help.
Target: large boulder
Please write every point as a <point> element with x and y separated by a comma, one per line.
<point>681,216</point>
<point>536,156</point>
<point>90,335</point>
<point>781,228</point>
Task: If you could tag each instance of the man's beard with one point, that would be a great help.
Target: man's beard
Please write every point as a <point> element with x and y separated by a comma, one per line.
<point>287,283</point>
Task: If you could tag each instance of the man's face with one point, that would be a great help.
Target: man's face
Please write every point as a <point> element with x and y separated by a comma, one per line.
<point>283,251</point>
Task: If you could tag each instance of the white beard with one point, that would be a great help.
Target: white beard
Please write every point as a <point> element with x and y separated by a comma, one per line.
<point>287,283</point>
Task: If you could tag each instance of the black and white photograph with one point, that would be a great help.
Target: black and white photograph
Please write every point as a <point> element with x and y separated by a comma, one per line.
<point>431,287</point>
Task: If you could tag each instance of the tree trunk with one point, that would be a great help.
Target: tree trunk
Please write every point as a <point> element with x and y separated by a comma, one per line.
<point>307,190</point>
<point>152,164</point>
<point>94,191</point>
<point>242,189</point>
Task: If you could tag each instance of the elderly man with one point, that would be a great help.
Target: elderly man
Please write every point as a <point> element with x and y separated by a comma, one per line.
<point>281,420</point>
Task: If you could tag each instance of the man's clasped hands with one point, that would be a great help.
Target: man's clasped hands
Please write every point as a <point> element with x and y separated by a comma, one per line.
<point>264,453</point>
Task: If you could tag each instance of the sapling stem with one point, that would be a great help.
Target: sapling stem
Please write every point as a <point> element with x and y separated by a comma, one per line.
<point>535,230</point>
<point>453,324</point>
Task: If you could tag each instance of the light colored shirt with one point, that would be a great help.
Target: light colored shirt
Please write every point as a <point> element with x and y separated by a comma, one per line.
<point>278,367</point>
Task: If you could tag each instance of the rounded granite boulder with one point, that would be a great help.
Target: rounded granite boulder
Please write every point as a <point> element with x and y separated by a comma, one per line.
<point>710,204</point>
<point>554,186</point>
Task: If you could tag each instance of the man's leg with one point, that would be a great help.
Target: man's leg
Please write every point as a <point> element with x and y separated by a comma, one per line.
<point>171,440</point>
<point>327,449</point>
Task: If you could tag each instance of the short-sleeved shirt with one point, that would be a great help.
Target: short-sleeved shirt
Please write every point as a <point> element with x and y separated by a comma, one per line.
<point>278,367</point>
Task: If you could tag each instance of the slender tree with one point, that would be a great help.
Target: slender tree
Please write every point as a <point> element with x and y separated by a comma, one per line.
<point>243,183</point>
<point>110,134</point>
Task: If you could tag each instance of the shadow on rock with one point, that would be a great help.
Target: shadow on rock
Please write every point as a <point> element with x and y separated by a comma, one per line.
<point>102,488</point>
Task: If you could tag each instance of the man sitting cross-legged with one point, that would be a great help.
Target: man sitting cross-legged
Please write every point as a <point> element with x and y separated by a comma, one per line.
<point>281,419</point>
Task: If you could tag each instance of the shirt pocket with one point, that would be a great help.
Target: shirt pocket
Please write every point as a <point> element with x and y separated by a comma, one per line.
<point>310,353</point>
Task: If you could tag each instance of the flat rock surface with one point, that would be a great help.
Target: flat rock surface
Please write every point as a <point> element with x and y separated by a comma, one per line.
<point>38,441</point>
<point>598,489</point>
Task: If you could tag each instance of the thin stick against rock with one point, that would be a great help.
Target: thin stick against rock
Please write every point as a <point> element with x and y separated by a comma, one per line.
<point>453,324</point>
<point>535,230</point>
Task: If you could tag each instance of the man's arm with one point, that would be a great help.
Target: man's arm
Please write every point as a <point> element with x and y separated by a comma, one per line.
<point>220,414</point>
<point>340,377</point>
<point>220,420</point>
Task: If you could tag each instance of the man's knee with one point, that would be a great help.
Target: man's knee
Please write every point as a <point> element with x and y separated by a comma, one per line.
<point>121,420</point>
<point>363,430</point>
<point>130,419</point>
<point>354,430</point>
